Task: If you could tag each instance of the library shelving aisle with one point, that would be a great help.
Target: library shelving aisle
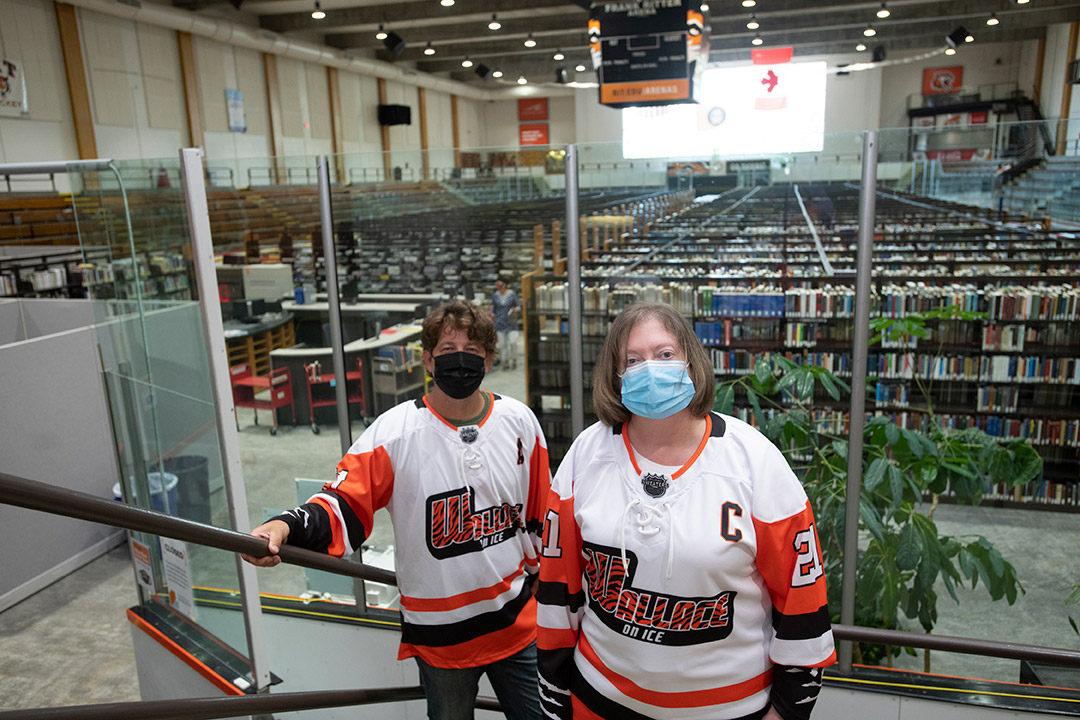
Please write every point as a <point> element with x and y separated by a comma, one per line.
<point>748,274</point>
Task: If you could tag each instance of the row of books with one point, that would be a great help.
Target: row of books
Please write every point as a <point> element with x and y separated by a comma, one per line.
<point>7,284</point>
<point>727,332</point>
<point>998,398</point>
<point>1043,491</point>
<point>1058,302</point>
<point>1005,337</point>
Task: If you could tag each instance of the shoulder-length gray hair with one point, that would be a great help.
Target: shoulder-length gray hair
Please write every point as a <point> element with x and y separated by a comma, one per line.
<point>607,385</point>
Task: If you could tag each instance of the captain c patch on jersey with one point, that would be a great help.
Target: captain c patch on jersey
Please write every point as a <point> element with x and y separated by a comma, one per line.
<point>454,529</point>
<point>648,615</point>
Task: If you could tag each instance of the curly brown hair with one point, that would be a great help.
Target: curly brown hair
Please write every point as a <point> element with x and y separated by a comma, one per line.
<point>607,386</point>
<point>460,315</point>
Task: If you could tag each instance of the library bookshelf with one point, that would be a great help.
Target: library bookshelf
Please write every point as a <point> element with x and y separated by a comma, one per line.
<point>753,283</point>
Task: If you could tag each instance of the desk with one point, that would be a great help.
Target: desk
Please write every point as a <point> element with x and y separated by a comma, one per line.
<point>251,343</point>
<point>358,320</point>
<point>295,357</point>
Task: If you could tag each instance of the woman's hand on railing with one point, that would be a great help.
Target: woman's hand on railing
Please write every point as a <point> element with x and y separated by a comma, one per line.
<point>276,533</point>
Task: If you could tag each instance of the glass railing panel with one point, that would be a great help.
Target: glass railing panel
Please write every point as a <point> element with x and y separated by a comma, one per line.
<point>135,241</point>
<point>742,262</point>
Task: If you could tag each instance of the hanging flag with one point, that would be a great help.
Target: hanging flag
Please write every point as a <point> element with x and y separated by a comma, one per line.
<point>773,64</point>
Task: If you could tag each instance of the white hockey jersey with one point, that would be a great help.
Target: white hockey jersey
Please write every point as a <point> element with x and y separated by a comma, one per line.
<point>466,505</point>
<point>674,596</point>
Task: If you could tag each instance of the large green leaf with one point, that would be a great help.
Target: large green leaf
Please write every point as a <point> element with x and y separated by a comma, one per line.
<point>725,400</point>
<point>763,372</point>
<point>909,552</point>
<point>826,379</point>
<point>892,433</point>
<point>896,485</point>
<point>875,474</point>
<point>759,419</point>
<point>870,518</point>
<point>806,384</point>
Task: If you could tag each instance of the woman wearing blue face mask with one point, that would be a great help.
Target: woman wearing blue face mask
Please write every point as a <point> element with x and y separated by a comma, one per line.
<point>680,573</point>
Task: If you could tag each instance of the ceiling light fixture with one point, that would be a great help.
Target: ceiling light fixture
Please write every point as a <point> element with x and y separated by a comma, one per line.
<point>752,23</point>
<point>993,19</point>
<point>757,40</point>
<point>429,50</point>
<point>969,38</point>
<point>1022,2</point>
<point>860,48</point>
<point>580,68</point>
<point>446,3</point>
<point>494,24</point>
<point>381,35</point>
<point>749,3</point>
<point>950,51</point>
<point>883,12</point>
<point>869,31</point>
<point>497,74</point>
<point>522,80</point>
<point>317,13</point>
<point>704,7</point>
<point>558,55</point>
<point>529,42</point>
<point>466,62</point>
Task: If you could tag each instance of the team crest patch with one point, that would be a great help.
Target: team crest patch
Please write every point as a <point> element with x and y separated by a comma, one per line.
<point>468,434</point>
<point>654,485</point>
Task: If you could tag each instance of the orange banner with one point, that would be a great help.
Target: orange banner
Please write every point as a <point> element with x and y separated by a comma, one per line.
<point>645,91</point>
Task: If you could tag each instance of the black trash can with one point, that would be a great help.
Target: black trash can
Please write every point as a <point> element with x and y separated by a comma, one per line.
<point>193,483</point>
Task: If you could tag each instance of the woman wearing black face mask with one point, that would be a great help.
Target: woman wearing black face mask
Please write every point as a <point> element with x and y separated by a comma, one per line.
<point>464,475</point>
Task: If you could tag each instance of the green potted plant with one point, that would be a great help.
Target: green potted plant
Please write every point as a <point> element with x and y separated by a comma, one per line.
<point>905,473</point>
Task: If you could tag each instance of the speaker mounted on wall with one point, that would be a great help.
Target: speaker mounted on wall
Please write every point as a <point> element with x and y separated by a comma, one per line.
<point>957,37</point>
<point>394,43</point>
<point>395,115</point>
<point>482,70</point>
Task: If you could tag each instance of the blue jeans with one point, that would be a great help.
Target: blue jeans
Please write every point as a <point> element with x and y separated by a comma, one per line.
<point>451,693</point>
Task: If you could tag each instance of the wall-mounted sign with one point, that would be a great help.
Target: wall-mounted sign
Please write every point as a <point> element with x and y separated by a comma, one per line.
<point>532,109</point>
<point>979,117</point>
<point>942,80</point>
<point>234,100</point>
<point>12,89</point>
<point>533,134</point>
<point>646,52</point>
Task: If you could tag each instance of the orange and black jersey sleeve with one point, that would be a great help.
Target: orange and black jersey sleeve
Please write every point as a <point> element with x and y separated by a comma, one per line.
<point>560,601</point>
<point>339,518</point>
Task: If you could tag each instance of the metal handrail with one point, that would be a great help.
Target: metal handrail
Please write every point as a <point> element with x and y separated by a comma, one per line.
<point>209,708</point>
<point>34,495</point>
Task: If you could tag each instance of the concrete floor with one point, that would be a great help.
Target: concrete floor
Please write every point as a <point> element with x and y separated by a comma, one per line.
<point>71,643</point>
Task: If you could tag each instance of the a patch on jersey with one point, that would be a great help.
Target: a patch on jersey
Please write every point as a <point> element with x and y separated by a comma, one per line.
<point>468,434</point>
<point>454,528</point>
<point>654,485</point>
<point>649,615</point>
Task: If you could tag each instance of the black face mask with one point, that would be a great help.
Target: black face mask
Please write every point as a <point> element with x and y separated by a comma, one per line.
<point>459,374</point>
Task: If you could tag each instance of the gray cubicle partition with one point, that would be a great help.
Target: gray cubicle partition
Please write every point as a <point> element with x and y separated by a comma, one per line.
<point>54,427</point>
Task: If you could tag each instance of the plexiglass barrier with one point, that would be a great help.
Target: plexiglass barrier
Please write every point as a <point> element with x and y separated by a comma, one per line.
<point>758,252</point>
<point>137,273</point>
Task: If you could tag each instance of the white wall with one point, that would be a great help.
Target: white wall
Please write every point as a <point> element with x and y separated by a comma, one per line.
<point>220,67</point>
<point>984,64</point>
<point>472,128</point>
<point>28,33</point>
<point>440,132</point>
<point>1055,68</point>
<point>136,94</point>
<point>501,119</point>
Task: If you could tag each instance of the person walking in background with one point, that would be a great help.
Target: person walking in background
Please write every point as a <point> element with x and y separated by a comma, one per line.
<point>464,474</point>
<point>680,572</point>
<point>506,307</point>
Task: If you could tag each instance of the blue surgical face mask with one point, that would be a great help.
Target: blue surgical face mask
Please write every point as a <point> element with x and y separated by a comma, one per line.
<point>657,389</point>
